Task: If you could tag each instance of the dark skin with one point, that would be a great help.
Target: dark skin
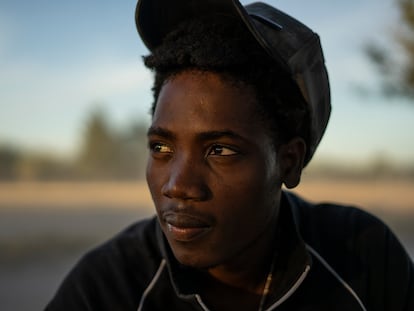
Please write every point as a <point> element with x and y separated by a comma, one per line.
<point>215,177</point>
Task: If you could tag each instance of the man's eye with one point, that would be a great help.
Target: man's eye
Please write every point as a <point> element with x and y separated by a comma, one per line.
<point>160,148</point>
<point>221,151</point>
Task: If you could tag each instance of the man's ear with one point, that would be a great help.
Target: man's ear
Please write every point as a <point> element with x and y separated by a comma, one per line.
<point>291,157</point>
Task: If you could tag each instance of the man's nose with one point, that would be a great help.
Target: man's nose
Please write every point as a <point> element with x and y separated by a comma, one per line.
<point>187,180</point>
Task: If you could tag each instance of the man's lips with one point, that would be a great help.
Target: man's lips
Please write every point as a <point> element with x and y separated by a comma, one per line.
<point>184,227</point>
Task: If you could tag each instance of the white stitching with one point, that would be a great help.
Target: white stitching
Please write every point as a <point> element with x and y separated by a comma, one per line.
<point>151,284</point>
<point>291,290</point>
<point>336,275</point>
<point>201,303</point>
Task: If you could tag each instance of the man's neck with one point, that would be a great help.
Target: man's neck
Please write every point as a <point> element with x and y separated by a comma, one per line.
<point>249,268</point>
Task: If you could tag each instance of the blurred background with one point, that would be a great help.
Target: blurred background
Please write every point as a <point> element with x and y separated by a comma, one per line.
<point>74,101</point>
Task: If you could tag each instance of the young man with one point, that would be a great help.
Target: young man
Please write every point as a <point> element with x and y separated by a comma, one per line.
<point>241,103</point>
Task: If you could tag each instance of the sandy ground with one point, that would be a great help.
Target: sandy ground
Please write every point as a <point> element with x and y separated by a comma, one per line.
<point>74,194</point>
<point>397,195</point>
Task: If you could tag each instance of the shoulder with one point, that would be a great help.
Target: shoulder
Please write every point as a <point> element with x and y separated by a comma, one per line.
<point>361,248</point>
<point>137,239</point>
<point>348,237</point>
<point>332,223</point>
<point>133,248</point>
<point>111,276</point>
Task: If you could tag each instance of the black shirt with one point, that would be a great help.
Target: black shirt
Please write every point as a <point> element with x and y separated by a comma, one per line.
<point>331,257</point>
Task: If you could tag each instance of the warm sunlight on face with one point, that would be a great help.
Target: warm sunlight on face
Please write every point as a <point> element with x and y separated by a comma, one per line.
<point>212,171</point>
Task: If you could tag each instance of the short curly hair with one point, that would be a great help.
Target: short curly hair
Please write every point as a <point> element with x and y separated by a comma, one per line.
<point>222,44</point>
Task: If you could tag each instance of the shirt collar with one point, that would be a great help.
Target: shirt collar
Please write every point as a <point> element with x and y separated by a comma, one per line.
<point>291,261</point>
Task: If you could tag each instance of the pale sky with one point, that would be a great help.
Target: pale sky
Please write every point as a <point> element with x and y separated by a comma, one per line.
<point>58,59</point>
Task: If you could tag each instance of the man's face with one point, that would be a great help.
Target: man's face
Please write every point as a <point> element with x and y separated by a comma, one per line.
<point>212,172</point>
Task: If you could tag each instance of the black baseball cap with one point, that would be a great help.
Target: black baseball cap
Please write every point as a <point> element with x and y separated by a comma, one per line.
<point>294,46</point>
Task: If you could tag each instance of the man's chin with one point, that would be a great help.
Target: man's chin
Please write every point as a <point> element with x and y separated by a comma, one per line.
<point>195,260</point>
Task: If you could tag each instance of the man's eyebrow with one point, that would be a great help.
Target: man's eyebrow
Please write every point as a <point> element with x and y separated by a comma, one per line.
<point>159,131</point>
<point>212,135</point>
<point>203,136</point>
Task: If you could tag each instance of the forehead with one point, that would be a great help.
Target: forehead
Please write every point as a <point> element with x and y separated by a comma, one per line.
<point>208,99</point>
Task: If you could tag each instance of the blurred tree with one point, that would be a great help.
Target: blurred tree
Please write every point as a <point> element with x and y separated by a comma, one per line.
<point>134,150</point>
<point>109,154</point>
<point>9,159</point>
<point>104,153</point>
<point>99,154</point>
<point>397,69</point>
<point>43,166</point>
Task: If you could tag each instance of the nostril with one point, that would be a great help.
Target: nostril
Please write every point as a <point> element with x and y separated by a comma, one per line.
<point>166,193</point>
<point>190,190</point>
<point>170,191</point>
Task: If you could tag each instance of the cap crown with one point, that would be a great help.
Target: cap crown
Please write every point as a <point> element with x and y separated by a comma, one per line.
<point>294,46</point>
